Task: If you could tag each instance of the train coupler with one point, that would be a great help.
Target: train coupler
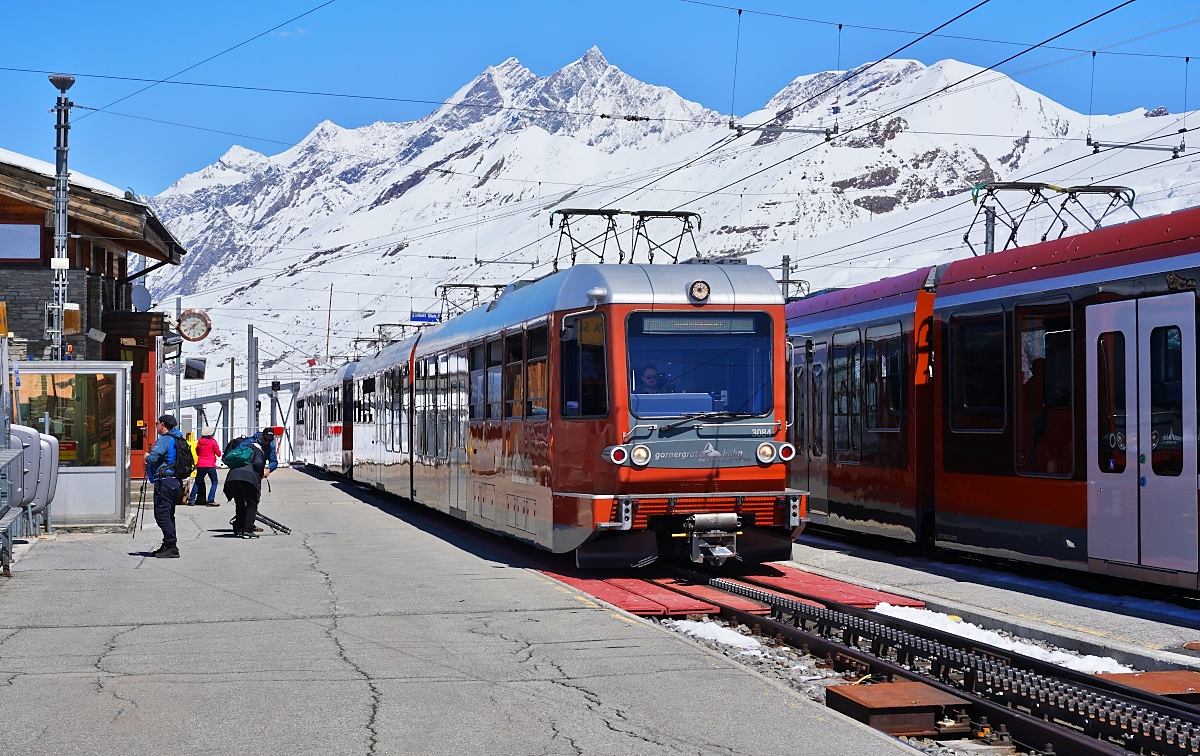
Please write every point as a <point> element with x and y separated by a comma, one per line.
<point>713,537</point>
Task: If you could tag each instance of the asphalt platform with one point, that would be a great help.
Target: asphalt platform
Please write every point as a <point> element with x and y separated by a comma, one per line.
<point>376,627</point>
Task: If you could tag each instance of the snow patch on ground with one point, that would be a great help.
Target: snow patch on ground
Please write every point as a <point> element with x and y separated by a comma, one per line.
<point>714,632</point>
<point>936,620</point>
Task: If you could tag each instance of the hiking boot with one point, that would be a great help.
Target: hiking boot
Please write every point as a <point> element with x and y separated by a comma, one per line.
<point>160,548</point>
<point>167,552</point>
<point>257,529</point>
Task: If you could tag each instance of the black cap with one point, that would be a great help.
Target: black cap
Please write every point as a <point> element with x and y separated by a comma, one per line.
<point>269,432</point>
<point>169,421</point>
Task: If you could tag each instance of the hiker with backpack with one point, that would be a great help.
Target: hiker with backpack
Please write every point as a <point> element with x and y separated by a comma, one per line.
<point>167,464</point>
<point>247,463</point>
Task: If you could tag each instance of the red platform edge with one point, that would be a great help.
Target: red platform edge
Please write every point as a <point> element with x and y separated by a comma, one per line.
<point>676,604</point>
<point>615,595</point>
<point>705,593</point>
<point>819,588</point>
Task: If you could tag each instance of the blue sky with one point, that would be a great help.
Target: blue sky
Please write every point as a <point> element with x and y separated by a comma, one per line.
<point>429,50</point>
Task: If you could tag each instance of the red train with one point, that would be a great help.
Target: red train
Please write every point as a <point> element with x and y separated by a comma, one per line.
<point>616,411</point>
<point>1037,404</point>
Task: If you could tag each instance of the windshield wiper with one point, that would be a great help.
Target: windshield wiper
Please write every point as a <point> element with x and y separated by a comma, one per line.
<point>703,416</point>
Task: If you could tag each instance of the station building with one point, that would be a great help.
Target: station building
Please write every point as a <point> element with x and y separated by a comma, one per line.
<point>115,239</point>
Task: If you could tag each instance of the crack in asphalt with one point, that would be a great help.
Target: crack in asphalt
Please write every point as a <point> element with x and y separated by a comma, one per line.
<point>105,676</point>
<point>331,632</point>
<point>611,716</point>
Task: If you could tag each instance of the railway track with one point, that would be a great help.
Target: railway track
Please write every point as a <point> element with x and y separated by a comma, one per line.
<point>1041,706</point>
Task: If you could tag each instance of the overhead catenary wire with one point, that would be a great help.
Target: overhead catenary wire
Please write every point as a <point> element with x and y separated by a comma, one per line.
<point>787,111</point>
<point>244,42</point>
<point>942,36</point>
<point>846,132</point>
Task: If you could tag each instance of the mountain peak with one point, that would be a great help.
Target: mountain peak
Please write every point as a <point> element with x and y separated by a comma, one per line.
<point>593,57</point>
<point>238,156</point>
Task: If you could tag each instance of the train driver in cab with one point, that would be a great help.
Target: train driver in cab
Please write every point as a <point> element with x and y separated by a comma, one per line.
<point>650,381</point>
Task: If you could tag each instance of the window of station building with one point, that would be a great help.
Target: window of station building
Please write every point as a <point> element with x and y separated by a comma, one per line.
<point>977,372</point>
<point>584,368</point>
<point>81,411</point>
<point>514,374</point>
<point>537,373</point>
<point>847,390</point>
<point>1044,421</point>
<point>495,379</point>
<point>21,242</point>
<point>1110,401</point>
<point>884,379</point>
<point>478,384</point>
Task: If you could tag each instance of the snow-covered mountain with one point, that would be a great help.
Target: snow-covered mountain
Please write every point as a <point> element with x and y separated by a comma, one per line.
<point>386,212</point>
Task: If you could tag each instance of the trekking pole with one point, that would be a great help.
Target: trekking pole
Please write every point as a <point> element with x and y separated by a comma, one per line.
<point>140,516</point>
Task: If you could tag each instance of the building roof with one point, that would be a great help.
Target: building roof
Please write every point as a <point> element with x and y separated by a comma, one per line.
<point>121,219</point>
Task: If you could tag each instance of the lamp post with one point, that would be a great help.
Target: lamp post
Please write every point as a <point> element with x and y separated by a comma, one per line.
<point>61,262</point>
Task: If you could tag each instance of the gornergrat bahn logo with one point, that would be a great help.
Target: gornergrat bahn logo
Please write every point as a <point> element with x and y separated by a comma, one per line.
<point>708,452</point>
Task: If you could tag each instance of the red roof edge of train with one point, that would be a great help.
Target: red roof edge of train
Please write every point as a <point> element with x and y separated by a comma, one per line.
<point>906,283</point>
<point>1159,229</point>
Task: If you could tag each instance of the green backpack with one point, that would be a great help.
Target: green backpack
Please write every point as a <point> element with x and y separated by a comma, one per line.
<point>240,455</point>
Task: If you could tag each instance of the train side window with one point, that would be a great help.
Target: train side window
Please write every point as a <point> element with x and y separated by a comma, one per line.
<point>1044,417</point>
<point>443,405</point>
<point>977,373</point>
<point>419,408</point>
<point>431,407</point>
<point>818,410</point>
<point>369,398</point>
<point>537,374</point>
<point>478,371</point>
<point>884,383</point>
<point>1166,401</point>
<point>405,411</point>
<point>1110,401</point>
<point>514,374</point>
<point>800,411</point>
<point>847,389</point>
<point>584,368</point>
<point>495,374</point>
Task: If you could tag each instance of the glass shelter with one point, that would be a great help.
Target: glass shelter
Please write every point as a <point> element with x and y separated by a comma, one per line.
<point>85,405</point>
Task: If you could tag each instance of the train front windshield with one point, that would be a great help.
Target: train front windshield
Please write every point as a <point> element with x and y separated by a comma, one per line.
<point>693,363</point>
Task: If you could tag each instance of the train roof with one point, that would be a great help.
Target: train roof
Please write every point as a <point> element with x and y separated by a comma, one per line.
<point>1121,241</point>
<point>334,378</point>
<point>391,355</point>
<point>740,285</point>
<point>908,283</point>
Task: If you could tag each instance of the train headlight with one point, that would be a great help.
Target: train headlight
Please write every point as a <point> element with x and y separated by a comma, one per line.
<point>639,455</point>
<point>786,452</point>
<point>765,452</point>
<point>618,455</point>
<point>699,291</point>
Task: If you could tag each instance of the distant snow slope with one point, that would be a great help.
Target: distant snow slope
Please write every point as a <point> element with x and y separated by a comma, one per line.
<point>386,212</point>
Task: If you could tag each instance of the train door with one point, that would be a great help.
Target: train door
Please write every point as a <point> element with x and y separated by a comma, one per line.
<point>457,456</point>
<point>799,435</point>
<point>1142,467</point>
<point>816,448</point>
